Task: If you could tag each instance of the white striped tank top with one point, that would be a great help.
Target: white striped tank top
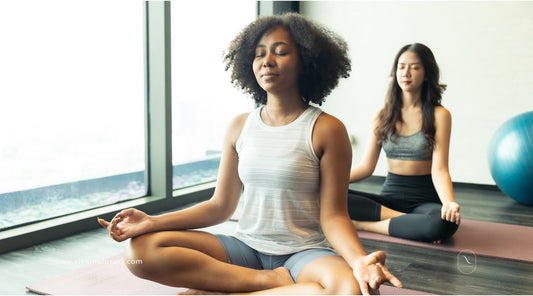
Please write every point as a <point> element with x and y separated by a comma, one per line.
<point>280,173</point>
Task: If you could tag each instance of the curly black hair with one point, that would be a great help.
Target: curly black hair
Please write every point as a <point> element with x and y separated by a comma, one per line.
<point>323,54</point>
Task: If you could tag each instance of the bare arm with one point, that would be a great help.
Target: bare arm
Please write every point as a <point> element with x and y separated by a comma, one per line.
<point>439,167</point>
<point>227,191</point>
<point>130,223</point>
<point>335,156</point>
<point>367,165</point>
<point>332,146</point>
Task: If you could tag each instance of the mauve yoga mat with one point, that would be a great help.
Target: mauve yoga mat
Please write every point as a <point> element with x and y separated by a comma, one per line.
<point>473,237</point>
<point>111,277</point>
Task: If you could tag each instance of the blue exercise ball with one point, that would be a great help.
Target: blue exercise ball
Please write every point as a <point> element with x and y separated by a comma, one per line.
<point>511,158</point>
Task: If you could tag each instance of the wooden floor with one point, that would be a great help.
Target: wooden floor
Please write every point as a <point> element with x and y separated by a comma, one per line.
<point>420,269</point>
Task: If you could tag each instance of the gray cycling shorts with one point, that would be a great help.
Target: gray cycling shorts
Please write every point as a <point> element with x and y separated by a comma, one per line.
<point>239,253</point>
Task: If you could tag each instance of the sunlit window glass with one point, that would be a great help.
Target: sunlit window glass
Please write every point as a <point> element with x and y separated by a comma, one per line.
<point>203,98</point>
<point>72,115</point>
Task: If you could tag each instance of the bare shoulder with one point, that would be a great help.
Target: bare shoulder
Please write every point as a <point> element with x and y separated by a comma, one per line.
<point>443,119</point>
<point>235,127</point>
<point>378,113</point>
<point>329,124</point>
<point>329,134</point>
<point>376,118</point>
<point>239,119</point>
<point>442,114</point>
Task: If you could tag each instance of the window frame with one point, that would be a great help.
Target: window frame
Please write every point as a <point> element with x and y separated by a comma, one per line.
<point>158,171</point>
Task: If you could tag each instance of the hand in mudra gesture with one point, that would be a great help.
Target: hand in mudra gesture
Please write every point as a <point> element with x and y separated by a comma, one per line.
<point>127,224</point>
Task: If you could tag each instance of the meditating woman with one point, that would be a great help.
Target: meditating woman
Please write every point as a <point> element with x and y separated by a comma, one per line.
<point>289,162</point>
<point>413,128</point>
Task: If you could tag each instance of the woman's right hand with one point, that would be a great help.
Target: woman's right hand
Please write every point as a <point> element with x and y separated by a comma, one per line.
<point>127,224</point>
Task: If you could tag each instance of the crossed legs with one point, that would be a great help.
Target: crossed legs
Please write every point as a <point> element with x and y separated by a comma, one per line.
<point>197,260</point>
<point>423,222</point>
<point>381,226</point>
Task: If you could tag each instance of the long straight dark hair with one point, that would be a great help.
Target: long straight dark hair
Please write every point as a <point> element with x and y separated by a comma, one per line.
<point>431,96</point>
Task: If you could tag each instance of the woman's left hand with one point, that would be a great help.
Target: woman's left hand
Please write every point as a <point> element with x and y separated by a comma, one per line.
<point>370,271</point>
<point>450,212</point>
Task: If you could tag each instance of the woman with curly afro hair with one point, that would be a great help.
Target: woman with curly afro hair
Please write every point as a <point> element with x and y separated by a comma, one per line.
<point>287,162</point>
<point>323,57</point>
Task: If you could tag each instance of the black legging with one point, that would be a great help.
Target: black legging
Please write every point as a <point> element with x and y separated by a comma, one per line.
<point>414,195</point>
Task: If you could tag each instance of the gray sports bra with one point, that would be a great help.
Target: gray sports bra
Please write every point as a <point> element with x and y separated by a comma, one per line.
<point>413,147</point>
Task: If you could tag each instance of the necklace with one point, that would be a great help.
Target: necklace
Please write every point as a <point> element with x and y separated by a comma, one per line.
<point>272,122</point>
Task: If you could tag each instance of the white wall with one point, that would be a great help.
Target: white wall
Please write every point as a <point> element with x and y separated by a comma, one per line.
<point>484,50</point>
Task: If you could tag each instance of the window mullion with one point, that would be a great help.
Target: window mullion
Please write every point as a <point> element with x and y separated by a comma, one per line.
<point>158,99</point>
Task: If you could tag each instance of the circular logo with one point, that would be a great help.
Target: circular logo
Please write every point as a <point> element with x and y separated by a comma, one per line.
<point>466,261</point>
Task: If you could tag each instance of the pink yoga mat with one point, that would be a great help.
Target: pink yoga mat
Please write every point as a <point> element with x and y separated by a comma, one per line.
<point>115,279</point>
<point>474,238</point>
<point>489,239</point>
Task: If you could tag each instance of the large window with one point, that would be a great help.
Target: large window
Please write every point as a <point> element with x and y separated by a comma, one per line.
<point>203,98</point>
<point>72,113</point>
<point>76,115</point>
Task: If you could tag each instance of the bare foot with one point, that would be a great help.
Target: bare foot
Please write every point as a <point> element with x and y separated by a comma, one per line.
<point>278,277</point>
<point>284,277</point>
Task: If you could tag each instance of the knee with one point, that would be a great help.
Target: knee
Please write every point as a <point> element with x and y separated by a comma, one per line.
<point>438,229</point>
<point>139,256</point>
<point>346,285</point>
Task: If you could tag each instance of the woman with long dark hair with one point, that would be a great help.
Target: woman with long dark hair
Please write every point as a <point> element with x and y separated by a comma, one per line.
<point>413,128</point>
